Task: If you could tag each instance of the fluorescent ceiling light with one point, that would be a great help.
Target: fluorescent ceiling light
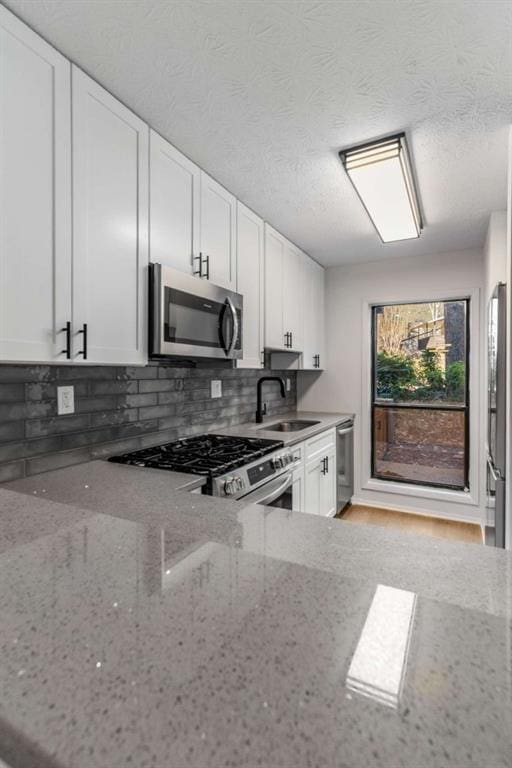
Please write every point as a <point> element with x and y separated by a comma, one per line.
<point>382,177</point>
<point>377,669</point>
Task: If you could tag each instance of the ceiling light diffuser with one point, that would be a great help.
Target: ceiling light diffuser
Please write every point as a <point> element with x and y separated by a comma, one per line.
<point>382,176</point>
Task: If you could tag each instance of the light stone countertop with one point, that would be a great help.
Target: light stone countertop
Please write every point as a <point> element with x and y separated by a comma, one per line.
<point>323,421</point>
<point>143,625</point>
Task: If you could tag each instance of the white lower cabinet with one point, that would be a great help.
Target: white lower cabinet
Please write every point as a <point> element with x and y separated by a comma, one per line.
<point>314,475</point>
<point>250,276</point>
<point>320,474</point>
<point>298,498</point>
<point>35,195</point>
<point>110,227</point>
<point>320,485</point>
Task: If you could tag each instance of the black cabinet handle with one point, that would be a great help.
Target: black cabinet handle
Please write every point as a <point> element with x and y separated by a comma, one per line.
<point>198,272</point>
<point>286,339</point>
<point>325,465</point>
<point>207,263</point>
<point>67,331</point>
<point>84,348</point>
<point>291,339</point>
<point>318,361</point>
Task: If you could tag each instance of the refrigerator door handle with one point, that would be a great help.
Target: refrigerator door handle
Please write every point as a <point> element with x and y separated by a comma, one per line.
<point>496,474</point>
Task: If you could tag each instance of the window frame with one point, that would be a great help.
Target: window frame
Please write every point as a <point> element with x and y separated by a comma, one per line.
<point>464,408</point>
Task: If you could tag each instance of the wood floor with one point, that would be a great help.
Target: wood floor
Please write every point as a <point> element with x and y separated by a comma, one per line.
<point>421,524</point>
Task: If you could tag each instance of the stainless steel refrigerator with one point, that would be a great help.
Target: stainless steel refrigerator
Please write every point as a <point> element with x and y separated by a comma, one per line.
<point>496,416</point>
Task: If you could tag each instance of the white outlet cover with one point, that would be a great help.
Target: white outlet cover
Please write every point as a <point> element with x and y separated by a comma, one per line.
<point>288,385</point>
<point>216,388</point>
<point>65,400</point>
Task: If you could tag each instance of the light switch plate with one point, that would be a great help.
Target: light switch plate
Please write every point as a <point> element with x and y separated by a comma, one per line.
<point>216,388</point>
<point>65,400</point>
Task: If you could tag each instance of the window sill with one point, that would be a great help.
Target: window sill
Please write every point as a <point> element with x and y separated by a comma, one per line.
<point>422,492</point>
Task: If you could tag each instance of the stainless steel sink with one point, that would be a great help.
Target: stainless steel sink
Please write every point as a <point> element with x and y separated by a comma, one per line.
<point>289,426</point>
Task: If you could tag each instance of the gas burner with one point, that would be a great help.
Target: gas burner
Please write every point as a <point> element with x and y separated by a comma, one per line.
<point>207,455</point>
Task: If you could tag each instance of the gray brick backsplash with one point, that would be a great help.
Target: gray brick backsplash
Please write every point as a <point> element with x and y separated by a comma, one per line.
<point>12,471</point>
<point>118,409</point>
<point>55,425</point>
<point>12,430</point>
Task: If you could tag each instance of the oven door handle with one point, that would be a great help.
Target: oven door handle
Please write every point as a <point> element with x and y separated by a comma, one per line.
<point>257,497</point>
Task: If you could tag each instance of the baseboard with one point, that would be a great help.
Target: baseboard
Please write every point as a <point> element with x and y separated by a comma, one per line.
<point>415,511</point>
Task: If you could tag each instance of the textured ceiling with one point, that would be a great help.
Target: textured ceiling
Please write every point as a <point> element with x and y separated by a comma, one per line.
<point>263,93</point>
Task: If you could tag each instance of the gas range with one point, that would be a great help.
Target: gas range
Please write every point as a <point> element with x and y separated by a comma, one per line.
<point>233,466</point>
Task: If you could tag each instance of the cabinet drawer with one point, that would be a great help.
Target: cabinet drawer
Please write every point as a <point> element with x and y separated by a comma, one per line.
<point>320,444</point>
<point>298,453</point>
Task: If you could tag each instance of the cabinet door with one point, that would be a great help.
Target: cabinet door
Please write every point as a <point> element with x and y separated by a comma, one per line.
<point>250,284</point>
<point>275,246</point>
<point>292,287</point>
<point>313,315</point>
<point>218,233</point>
<point>298,500</point>
<point>174,216</point>
<point>328,486</point>
<point>110,232</point>
<point>320,320</point>
<point>313,480</point>
<point>35,195</point>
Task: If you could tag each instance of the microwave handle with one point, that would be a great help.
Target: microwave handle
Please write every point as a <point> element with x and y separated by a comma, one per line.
<point>234,335</point>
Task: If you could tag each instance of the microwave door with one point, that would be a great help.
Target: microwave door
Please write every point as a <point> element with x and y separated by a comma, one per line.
<point>229,328</point>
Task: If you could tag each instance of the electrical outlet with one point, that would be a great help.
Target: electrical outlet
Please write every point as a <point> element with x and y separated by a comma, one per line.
<point>288,385</point>
<point>216,388</point>
<point>65,400</point>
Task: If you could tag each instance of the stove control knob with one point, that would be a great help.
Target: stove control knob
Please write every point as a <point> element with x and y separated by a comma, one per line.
<point>288,458</point>
<point>230,486</point>
<point>278,462</point>
<point>240,485</point>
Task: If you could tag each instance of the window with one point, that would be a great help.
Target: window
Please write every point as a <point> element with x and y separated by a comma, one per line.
<point>420,397</point>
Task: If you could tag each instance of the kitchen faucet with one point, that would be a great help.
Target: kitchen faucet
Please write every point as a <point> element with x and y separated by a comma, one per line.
<point>261,410</point>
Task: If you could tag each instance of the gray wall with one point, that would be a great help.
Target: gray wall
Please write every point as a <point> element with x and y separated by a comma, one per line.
<point>118,409</point>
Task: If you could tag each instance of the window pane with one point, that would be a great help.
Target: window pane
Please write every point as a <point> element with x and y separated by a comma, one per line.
<point>420,352</point>
<point>424,445</point>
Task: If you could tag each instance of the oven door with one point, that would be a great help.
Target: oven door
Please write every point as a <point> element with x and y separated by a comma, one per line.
<point>276,493</point>
<point>192,317</point>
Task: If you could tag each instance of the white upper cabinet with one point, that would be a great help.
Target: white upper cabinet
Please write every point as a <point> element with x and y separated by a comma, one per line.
<point>110,228</point>
<point>283,293</point>
<point>218,233</point>
<point>293,309</point>
<point>313,316</point>
<point>174,215</point>
<point>275,246</point>
<point>35,195</point>
<point>250,275</point>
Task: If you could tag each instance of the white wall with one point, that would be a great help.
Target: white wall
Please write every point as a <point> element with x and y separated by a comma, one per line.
<point>495,252</point>
<point>344,386</point>
<point>508,526</point>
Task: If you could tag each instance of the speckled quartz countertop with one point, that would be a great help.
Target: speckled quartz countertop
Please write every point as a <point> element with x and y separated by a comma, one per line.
<point>143,625</point>
<point>322,421</point>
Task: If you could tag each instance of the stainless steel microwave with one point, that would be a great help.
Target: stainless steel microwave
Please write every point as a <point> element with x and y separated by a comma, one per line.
<point>190,317</point>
